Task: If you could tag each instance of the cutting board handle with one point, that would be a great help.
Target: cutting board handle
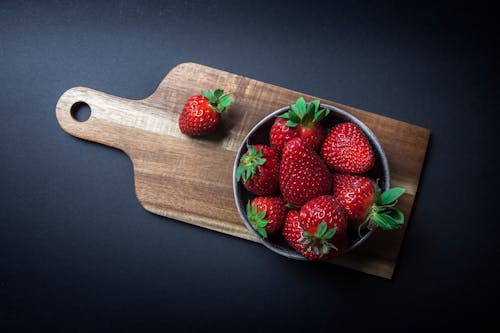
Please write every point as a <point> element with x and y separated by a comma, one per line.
<point>108,115</point>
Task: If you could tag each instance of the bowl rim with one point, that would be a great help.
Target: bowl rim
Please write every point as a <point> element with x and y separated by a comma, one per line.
<point>373,141</point>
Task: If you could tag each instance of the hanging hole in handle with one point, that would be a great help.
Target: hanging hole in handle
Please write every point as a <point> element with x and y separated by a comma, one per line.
<point>80,111</point>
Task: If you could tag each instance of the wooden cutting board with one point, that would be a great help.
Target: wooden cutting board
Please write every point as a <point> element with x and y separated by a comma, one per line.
<point>190,179</point>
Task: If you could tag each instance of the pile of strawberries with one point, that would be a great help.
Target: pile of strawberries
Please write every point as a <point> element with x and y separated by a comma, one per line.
<point>310,183</point>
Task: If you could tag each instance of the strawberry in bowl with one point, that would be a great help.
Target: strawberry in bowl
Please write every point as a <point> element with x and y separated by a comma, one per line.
<point>333,176</point>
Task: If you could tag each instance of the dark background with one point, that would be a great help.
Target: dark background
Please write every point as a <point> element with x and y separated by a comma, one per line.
<point>78,252</point>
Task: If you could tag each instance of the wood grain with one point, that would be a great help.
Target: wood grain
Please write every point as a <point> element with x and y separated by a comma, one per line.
<point>167,177</point>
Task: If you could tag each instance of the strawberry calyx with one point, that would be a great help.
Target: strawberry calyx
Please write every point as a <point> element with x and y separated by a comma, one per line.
<point>304,114</point>
<point>249,163</point>
<point>217,100</point>
<point>257,219</point>
<point>383,213</point>
<point>319,242</point>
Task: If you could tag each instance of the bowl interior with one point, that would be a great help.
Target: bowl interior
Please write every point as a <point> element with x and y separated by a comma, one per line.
<point>260,135</point>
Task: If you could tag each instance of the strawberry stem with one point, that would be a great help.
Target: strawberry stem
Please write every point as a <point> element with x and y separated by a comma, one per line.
<point>249,163</point>
<point>383,213</point>
<point>218,101</point>
<point>256,219</point>
<point>304,114</point>
<point>319,242</point>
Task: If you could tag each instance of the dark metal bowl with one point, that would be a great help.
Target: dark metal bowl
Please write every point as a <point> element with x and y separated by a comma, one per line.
<point>260,135</point>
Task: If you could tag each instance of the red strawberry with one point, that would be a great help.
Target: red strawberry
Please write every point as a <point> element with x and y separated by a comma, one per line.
<point>200,114</point>
<point>293,234</point>
<point>355,193</point>
<point>324,210</point>
<point>259,170</point>
<point>281,133</point>
<point>303,174</point>
<point>363,201</point>
<point>266,214</point>
<point>302,120</point>
<point>346,149</point>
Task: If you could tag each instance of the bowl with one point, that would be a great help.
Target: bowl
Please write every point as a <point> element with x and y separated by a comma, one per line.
<point>259,134</point>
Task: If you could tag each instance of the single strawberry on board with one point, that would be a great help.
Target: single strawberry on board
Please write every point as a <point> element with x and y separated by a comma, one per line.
<point>302,120</point>
<point>346,149</point>
<point>266,214</point>
<point>201,113</point>
<point>259,170</point>
<point>363,202</point>
<point>303,174</point>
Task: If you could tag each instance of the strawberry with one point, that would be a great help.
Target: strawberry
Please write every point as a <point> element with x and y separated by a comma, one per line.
<point>281,133</point>
<point>259,170</point>
<point>303,175</point>
<point>293,234</point>
<point>302,120</point>
<point>326,211</point>
<point>266,214</point>
<point>346,149</point>
<point>355,193</point>
<point>201,113</point>
<point>363,202</point>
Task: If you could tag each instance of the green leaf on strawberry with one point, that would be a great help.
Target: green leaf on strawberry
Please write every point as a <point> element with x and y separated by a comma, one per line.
<point>300,107</point>
<point>395,214</point>
<point>383,211</point>
<point>384,221</point>
<point>257,219</point>
<point>225,100</point>
<point>305,114</point>
<point>218,93</point>
<point>391,195</point>
<point>218,101</point>
<point>330,233</point>
<point>319,242</point>
<point>249,163</point>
